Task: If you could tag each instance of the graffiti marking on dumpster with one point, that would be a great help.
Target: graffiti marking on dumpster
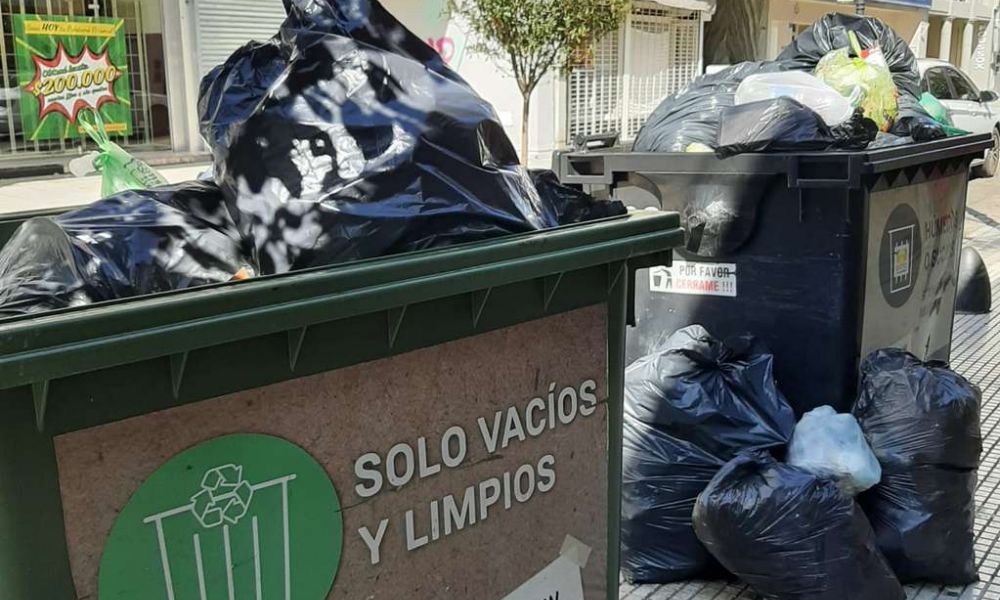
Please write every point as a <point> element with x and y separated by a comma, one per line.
<point>267,525</point>
<point>694,279</point>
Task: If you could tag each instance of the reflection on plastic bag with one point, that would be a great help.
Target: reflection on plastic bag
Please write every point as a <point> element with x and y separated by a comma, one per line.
<point>120,171</point>
<point>802,87</point>
<point>830,33</point>
<point>922,421</point>
<point>133,243</point>
<point>790,534</point>
<point>832,445</point>
<point>784,125</point>
<point>689,407</point>
<point>348,137</point>
<point>692,116</point>
<point>864,75</point>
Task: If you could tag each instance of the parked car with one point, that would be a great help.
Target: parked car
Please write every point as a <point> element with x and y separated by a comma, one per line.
<point>970,109</point>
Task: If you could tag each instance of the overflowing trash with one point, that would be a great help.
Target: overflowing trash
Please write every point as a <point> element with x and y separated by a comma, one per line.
<point>343,137</point>
<point>865,78</point>
<point>358,141</point>
<point>832,445</point>
<point>136,242</point>
<point>922,421</point>
<point>783,124</point>
<point>859,57</point>
<point>790,534</point>
<point>806,89</point>
<point>690,407</point>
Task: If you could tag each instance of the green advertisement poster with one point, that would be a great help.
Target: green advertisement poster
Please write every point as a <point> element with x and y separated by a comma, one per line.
<point>67,66</point>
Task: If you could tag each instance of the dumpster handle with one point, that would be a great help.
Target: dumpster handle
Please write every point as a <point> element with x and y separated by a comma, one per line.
<point>795,163</point>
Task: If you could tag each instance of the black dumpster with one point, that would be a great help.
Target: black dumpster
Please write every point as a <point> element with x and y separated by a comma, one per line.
<point>826,256</point>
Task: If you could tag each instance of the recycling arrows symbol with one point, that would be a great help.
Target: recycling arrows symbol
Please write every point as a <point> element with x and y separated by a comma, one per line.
<point>224,497</point>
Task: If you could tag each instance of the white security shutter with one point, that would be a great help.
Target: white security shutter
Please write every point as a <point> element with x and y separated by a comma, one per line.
<point>629,74</point>
<point>225,25</point>
<point>663,56</point>
<point>595,90</point>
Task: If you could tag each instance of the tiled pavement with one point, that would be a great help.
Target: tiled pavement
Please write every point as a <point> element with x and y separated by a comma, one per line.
<point>975,354</point>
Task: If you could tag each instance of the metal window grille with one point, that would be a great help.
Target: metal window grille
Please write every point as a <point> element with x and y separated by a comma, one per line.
<point>595,90</point>
<point>655,56</point>
<point>13,142</point>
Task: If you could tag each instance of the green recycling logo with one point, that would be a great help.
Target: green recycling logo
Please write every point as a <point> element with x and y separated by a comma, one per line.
<point>243,516</point>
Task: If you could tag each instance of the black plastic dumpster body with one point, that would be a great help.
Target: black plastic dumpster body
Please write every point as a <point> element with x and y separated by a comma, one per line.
<point>441,423</point>
<point>825,256</point>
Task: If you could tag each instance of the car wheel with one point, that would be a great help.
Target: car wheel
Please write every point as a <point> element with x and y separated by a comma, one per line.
<point>992,160</point>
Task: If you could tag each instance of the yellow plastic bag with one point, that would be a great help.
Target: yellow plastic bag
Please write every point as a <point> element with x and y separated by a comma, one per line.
<point>865,79</point>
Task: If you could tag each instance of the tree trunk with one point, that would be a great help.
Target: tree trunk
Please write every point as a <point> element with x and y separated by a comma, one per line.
<point>525,111</point>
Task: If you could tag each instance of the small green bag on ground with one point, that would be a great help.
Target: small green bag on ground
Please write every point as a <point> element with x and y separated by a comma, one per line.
<point>865,79</point>
<point>120,171</point>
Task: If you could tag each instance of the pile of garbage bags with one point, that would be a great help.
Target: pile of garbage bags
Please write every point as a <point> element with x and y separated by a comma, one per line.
<point>343,137</point>
<point>719,479</point>
<point>839,72</point>
<point>690,407</point>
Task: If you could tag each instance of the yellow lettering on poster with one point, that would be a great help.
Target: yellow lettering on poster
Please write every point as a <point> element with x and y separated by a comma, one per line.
<point>71,28</point>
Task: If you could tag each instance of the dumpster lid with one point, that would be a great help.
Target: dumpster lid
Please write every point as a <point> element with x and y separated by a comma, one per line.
<point>37,348</point>
<point>608,167</point>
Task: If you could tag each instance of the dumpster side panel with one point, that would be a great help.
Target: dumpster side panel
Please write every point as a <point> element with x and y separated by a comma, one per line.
<point>794,282</point>
<point>484,385</point>
<point>914,247</point>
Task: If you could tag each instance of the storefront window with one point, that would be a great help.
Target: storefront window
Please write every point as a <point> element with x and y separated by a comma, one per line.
<point>56,59</point>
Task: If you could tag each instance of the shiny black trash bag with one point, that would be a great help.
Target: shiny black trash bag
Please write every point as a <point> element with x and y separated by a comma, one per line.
<point>347,137</point>
<point>922,421</point>
<point>133,243</point>
<point>791,535</point>
<point>690,407</point>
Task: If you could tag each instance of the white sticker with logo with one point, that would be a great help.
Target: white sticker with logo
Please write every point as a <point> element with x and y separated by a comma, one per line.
<point>561,579</point>
<point>694,279</point>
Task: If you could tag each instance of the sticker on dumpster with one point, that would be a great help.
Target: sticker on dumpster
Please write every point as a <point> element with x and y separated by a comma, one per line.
<point>561,579</point>
<point>694,279</point>
<point>241,516</point>
<point>900,255</point>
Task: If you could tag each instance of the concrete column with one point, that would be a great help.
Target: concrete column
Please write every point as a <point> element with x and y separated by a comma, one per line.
<point>944,50</point>
<point>968,44</point>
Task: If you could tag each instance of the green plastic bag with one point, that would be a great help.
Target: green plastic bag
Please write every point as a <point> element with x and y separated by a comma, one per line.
<point>865,79</point>
<point>940,114</point>
<point>119,170</point>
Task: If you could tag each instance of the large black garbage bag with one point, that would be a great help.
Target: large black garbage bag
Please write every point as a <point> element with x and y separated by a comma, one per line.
<point>365,144</point>
<point>692,116</point>
<point>922,421</point>
<point>133,243</point>
<point>689,407</point>
<point>785,125</point>
<point>791,535</point>
<point>830,33</point>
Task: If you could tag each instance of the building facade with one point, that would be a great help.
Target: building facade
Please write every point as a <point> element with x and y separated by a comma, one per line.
<point>170,44</point>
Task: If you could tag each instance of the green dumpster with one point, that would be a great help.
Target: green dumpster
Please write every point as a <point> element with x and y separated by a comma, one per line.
<point>438,424</point>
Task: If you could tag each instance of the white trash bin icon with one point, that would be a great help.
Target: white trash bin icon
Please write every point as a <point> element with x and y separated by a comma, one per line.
<point>232,539</point>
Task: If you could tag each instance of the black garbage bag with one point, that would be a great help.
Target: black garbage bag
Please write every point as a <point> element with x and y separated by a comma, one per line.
<point>570,204</point>
<point>785,125</point>
<point>358,141</point>
<point>830,33</point>
<point>692,116</point>
<point>791,535</point>
<point>690,407</point>
<point>133,243</point>
<point>922,421</point>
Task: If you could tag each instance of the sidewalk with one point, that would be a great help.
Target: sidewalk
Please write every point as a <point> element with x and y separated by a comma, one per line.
<point>975,354</point>
<point>67,191</point>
